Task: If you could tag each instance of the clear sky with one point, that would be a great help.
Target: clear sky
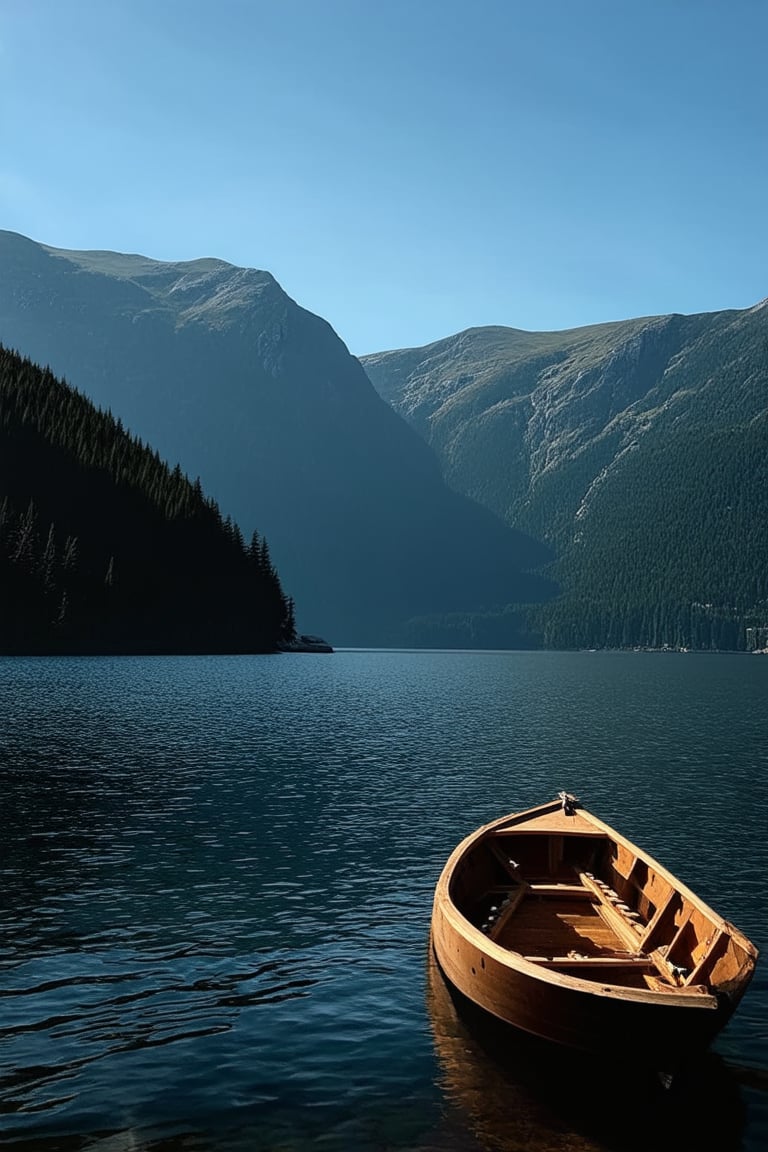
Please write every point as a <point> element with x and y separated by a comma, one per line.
<point>406,168</point>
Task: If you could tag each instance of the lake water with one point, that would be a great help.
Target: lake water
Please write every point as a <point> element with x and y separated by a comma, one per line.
<point>217,877</point>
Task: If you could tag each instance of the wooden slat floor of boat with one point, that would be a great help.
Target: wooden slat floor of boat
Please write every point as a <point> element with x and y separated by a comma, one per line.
<point>556,926</point>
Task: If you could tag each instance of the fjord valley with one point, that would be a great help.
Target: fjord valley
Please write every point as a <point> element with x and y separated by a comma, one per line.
<point>637,450</point>
<point>217,368</point>
<point>595,487</point>
<point>104,549</point>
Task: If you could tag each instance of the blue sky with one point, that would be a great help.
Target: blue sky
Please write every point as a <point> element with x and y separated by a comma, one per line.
<point>406,169</point>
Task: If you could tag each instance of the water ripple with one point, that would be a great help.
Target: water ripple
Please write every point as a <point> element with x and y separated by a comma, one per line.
<point>217,874</point>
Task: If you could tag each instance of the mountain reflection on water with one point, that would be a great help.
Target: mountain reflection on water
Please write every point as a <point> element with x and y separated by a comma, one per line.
<point>217,878</point>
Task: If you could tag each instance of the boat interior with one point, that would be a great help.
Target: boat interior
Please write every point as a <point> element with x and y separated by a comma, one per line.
<point>586,905</point>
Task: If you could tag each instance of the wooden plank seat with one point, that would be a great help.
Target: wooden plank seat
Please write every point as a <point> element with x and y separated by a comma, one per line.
<point>539,887</point>
<point>577,891</point>
<point>641,962</point>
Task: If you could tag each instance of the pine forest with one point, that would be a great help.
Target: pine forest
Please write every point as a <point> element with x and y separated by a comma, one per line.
<point>105,549</point>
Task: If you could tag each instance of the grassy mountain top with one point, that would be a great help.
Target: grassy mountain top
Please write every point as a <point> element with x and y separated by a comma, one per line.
<point>204,292</point>
<point>131,266</point>
<point>478,356</point>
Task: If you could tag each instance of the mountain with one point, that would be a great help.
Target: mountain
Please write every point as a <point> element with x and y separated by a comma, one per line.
<point>638,450</point>
<point>105,549</point>
<point>218,368</point>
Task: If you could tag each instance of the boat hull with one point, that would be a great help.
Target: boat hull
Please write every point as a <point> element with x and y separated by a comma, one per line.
<point>660,1034</point>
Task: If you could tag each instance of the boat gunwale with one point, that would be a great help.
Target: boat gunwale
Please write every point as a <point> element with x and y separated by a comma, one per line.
<point>515,961</point>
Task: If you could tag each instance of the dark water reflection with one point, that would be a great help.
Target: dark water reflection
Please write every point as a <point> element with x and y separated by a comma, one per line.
<point>518,1094</point>
<point>217,875</point>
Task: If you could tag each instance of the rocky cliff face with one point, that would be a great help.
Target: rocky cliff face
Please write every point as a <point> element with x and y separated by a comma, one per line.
<point>635,449</point>
<point>506,411</point>
<point>217,368</point>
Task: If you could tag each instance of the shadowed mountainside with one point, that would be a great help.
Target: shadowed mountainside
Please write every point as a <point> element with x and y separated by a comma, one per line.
<point>218,368</point>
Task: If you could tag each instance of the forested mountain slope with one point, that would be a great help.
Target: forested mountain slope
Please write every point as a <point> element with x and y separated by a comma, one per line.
<point>636,449</point>
<point>217,368</point>
<point>105,549</point>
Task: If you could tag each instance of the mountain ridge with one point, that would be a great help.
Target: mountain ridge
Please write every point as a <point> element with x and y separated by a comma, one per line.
<point>547,430</point>
<point>218,368</point>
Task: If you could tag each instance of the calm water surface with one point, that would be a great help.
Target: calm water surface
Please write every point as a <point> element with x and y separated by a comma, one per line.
<point>217,877</point>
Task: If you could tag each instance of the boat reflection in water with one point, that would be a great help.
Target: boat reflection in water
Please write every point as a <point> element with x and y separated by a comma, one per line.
<point>516,1092</point>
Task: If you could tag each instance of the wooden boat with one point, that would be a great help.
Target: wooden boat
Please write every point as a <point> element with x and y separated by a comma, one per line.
<point>557,924</point>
